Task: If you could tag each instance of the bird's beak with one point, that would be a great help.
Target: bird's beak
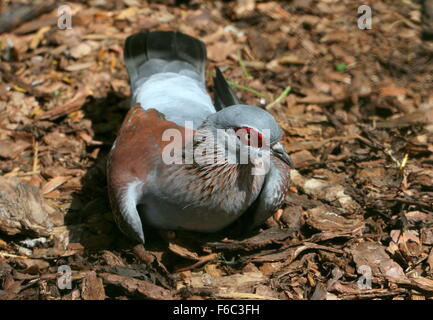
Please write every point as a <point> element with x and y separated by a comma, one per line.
<point>278,151</point>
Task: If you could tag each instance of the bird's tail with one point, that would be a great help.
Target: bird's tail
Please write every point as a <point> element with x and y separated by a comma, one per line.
<point>151,52</point>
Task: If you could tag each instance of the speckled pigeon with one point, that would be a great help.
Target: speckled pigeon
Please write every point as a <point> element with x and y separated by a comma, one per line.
<point>167,76</point>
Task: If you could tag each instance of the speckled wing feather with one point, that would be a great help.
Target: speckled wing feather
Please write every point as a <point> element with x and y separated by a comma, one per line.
<point>138,123</point>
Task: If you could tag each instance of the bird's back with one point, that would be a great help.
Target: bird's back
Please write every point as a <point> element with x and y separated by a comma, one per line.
<point>166,71</point>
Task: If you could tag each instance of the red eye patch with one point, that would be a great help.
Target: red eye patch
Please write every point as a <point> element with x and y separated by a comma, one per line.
<point>250,137</point>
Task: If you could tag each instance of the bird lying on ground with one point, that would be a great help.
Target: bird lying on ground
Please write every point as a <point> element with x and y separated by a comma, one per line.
<point>176,163</point>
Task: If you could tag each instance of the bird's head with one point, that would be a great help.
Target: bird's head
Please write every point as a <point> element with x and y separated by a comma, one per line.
<point>244,129</point>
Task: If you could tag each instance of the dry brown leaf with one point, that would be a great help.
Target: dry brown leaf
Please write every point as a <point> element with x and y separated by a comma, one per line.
<point>133,286</point>
<point>32,266</point>
<point>374,256</point>
<point>226,284</point>
<point>182,251</point>
<point>92,287</point>
<point>53,184</point>
<point>127,13</point>
<point>52,253</point>
<point>219,51</point>
<point>243,296</point>
<point>323,219</point>
<point>392,91</point>
<point>81,50</point>
<point>112,260</point>
<point>320,189</point>
<point>22,209</point>
<point>79,66</point>
<point>12,149</point>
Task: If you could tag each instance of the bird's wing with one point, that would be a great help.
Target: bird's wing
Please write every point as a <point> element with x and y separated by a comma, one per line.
<point>135,153</point>
<point>272,194</point>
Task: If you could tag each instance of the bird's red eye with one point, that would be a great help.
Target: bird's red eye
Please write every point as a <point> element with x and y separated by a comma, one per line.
<point>250,137</point>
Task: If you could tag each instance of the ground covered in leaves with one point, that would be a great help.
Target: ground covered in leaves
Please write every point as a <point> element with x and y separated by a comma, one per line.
<point>356,107</point>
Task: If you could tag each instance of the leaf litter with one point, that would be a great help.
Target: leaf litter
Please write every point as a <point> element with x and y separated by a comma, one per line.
<point>356,107</point>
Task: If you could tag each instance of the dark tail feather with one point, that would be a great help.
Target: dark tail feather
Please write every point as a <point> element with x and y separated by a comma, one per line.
<point>224,94</point>
<point>166,45</point>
